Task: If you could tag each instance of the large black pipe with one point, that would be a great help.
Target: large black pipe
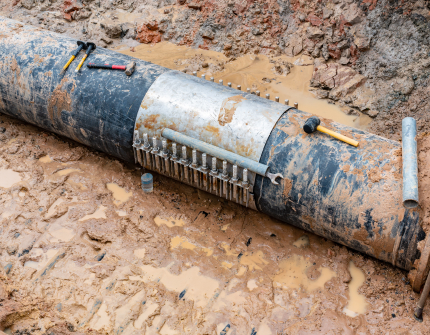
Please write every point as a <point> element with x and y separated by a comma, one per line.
<point>96,110</point>
<point>349,195</point>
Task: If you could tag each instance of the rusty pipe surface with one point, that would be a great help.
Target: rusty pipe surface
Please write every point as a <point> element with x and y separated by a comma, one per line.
<point>349,195</point>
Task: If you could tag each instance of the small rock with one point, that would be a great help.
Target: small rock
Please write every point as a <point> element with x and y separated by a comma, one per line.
<point>327,13</point>
<point>28,4</point>
<point>194,5</point>
<point>362,43</point>
<point>12,249</point>
<point>353,112</point>
<point>71,6</point>
<point>181,2</point>
<point>343,44</point>
<point>227,47</point>
<point>314,32</point>
<point>113,30</point>
<point>2,130</point>
<point>301,17</point>
<point>321,94</point>
<point>106,40</point>
<point>316,53</point>
<point>256,31</point>
<point>353,14</point>
<point>314,20</point>
<point>404,85</point>
<point>324,52</point>
<point>372,113</point>
<point>295,46</point>
<point>205,65</point>
<point>343,60</point>
<point>208,33</point>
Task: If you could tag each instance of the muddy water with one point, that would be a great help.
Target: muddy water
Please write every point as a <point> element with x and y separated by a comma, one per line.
<point>249,71</point>
<point>8,178</point>
<point>357,302</point>
<point>293,274</point>
<point>119,194</point>
<point>169,222</point>
<point>98,214</point>
<point>65,172</point>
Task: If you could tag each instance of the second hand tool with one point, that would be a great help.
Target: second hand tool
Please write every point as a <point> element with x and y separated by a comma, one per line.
<point>91,46</point>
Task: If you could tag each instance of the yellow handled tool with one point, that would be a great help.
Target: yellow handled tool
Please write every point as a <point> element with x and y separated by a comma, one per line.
<point>90,47</point>
<point>313,123</point>
<point>81,45</point>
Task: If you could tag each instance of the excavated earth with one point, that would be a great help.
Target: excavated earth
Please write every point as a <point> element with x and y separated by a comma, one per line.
<point>84,251</point>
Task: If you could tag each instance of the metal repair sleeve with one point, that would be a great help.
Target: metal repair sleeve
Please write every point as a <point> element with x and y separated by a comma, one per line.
<point>214,151</point>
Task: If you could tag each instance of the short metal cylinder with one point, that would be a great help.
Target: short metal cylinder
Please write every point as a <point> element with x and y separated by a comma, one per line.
<point>147,182</point>
<point>410,162</point>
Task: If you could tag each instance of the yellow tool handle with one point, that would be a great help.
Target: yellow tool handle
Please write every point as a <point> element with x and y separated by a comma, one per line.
<point>338,136</point>
<point>81,63</point>
<point>68,63</point>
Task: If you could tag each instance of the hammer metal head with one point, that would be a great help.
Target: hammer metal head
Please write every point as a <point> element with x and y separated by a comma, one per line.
<point>92,45</point>
<point>311,124</point>
<point>83,45</point>
<point>130,68</point>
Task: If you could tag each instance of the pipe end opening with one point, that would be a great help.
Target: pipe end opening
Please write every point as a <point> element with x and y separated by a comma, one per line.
<point>410,204</point>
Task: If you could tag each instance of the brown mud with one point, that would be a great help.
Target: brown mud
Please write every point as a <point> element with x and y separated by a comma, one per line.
<point>84,250</point>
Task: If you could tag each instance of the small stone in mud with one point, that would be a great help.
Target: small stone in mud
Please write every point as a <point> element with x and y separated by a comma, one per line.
<point>12,249</point>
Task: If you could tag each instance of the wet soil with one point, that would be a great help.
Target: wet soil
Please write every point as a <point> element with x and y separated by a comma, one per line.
<point>84,250</point>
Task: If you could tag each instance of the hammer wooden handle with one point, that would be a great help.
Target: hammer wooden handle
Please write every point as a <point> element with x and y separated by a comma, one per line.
<point>338,136</point>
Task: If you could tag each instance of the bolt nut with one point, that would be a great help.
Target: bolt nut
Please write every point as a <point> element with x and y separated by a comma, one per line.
<point>194,156</point>
<point>245,175</point>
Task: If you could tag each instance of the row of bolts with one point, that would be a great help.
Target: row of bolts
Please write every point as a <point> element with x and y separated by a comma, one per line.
<point>204,169</point>
<point>248,90</point>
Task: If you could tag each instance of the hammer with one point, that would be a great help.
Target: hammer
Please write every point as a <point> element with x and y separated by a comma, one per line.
<point>313,123</point>
<point>129,69</point>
